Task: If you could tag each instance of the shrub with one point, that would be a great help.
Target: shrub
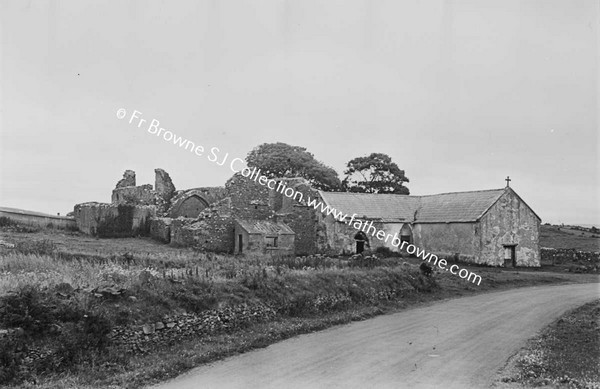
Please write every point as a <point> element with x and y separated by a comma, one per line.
<point>79,341</point>
<point>27,310</point>
<point>38,247</point>
<point>387,252</point>
<point>6,222</point>
<point>10,359</point>
<point>15,226</point>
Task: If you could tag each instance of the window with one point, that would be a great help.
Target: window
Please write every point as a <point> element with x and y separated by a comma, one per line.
<point>271,241</point>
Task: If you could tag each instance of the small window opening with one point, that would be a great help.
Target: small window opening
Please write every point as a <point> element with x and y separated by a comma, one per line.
<point>271,241</point>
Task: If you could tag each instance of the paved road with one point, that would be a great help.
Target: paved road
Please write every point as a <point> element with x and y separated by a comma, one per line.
<point>458,343</point>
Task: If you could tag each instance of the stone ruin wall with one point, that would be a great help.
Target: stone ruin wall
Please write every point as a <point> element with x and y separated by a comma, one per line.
<point>130,210</point>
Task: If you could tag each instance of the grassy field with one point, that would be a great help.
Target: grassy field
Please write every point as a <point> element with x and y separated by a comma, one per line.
<point>66,292</point>
<point>568,238</point>
<point>565,355</point>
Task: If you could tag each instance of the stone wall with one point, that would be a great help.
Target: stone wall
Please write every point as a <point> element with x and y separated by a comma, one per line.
<point>449,239</point>
<point>126,192</point>
<point>127,180</point>
<point>38,219</point>
<point>214,233</point>
<point>339,237</point>
<point>558,256</point>
<point>211,231</point>
<point>255,243</point>
<point>136,195</point>
<point>510,221</point>
<point>113,220</point>
<point>249,199</point>
<point>163,185</point>
<point>160,229</point>
<point>180,235</point>
<point>191,202</point>
<point>301,218</point>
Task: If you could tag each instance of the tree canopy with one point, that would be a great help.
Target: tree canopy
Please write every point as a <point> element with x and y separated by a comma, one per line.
<point>375,173</point>
<point>283,160</point>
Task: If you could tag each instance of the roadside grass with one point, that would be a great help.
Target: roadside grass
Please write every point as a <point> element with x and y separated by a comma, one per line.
<point>566,354</point>
<point>52,279</point>
<point>172,360</point>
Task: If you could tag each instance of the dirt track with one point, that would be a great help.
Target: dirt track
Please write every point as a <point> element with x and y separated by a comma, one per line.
<point>458,343</point>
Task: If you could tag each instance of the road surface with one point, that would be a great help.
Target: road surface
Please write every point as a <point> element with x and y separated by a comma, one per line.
<point>459,343</point>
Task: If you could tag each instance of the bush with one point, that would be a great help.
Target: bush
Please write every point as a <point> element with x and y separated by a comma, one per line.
<point>10,359</point>
<point>75,336</point>
<point>6,222</point>
<point>387,252</point>
<point>39,247</point>
<point>79,341</point>
<point>26,309</point>
<point>15,226</point>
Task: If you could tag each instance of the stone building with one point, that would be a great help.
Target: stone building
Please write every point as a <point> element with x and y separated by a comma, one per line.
<point>493,227</point>
<point>263,237</point>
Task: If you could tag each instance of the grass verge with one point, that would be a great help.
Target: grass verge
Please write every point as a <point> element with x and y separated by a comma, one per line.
<point>566,354</point>
<point>64,292</point>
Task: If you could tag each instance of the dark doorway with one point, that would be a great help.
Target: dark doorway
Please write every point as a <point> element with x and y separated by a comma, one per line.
<point>360,246</point>
<point>406,233</point>
<point>510,256</point>
<point>361,239</point>
<point>240,244</point>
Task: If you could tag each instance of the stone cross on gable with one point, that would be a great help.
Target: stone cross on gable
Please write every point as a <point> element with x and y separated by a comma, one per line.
<point>508,180</point>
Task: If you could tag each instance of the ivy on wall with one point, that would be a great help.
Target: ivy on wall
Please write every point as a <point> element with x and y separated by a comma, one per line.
<point>121,224</point>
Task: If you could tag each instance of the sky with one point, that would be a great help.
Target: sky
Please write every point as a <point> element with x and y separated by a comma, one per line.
<point>460,94</point>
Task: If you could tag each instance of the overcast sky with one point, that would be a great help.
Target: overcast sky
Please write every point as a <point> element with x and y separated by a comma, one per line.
<point>459,93</point>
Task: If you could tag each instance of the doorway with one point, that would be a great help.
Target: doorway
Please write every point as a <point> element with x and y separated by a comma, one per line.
<point>361,241</point>
<point>240,244</point>
<point>510,255</point>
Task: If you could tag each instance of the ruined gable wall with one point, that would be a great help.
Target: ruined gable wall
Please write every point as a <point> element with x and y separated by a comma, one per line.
<point>127,180</point>
<point>163,185</point>
<point>249,199</point>
<point>142,195</point>
<point>299,217</point>
<point>211,231</point>
<point>510,221</point>
<point>179,201</point>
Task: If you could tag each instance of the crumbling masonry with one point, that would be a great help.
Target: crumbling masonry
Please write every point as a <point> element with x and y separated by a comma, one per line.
<point>493,227</point>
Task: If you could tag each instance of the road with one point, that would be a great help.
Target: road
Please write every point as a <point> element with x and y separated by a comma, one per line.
<point>458,343</point>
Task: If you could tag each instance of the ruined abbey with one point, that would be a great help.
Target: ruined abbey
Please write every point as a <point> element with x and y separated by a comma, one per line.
<point>494,227</point>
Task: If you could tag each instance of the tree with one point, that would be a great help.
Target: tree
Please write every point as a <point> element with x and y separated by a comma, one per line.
<point>375,173</point>
<point>283,160</point>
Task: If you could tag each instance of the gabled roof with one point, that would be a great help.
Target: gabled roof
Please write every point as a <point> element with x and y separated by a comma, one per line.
<point>439,208</point>
<point>264,227</point>
<point>457,207</point>
<point>373,206</point>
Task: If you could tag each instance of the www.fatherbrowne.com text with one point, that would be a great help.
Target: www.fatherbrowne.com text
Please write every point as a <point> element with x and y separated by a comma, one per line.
<point>237,165</point>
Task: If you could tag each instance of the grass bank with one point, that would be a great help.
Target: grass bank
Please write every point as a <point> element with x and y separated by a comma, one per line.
<point>565,355</point>
<point>73,309</point>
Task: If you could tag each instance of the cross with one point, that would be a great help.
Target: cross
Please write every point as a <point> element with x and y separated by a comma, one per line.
<point>508,180</point>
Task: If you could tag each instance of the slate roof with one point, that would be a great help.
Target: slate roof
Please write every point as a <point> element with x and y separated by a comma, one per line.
<point>439,208</point>
<point>373,206</point>
<point>264,227</point>
<point>457,207</point>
